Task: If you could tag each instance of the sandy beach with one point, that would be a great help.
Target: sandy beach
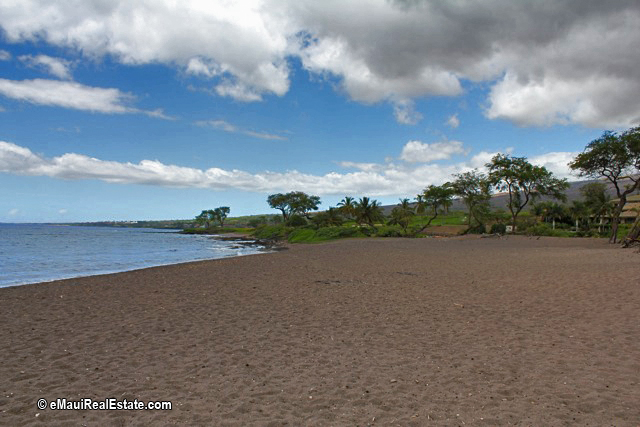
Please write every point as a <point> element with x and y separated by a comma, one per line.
<point>434,331</point>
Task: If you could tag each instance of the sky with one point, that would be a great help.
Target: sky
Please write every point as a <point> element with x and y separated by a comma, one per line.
<point>140,109</point>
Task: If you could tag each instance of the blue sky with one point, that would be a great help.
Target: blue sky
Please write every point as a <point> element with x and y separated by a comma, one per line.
<point>151,110</point>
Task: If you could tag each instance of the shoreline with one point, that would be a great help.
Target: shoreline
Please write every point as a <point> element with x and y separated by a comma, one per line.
<point>377,331</point>
<point>71,271</point>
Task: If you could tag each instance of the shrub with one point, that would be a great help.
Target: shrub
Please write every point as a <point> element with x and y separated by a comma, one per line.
<point>389,231</point>
<point>546,230</point>
<point>477,229</point>
<point>271,232</point>
<point>297,221</point>
<point>498,228</point>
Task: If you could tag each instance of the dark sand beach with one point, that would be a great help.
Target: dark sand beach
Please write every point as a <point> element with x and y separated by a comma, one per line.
<point>436,331</point>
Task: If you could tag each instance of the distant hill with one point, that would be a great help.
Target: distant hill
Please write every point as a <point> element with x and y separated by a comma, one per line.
<point>500,200</point>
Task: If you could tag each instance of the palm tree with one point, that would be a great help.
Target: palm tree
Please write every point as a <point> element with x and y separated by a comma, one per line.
<point>421,204</point>
<point>347,206</point>
<point>401,215</point>
<point>579,213</point>
<point>556,211</point>
<point>368,211</point>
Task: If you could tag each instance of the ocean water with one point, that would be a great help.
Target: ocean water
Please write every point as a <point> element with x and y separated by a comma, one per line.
<point>31,253</point>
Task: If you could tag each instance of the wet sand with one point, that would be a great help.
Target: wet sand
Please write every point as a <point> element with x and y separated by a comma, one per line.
<point>435,331</point>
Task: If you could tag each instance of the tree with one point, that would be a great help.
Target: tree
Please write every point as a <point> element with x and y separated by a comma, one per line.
<point>617,158</point>
<point>597,201</point>
<point>474,189</point>
<point>401,215</point>
<point>523,182</point>
<point>328,218</point>
<point>347,206</point>
<point>205,218</point>
<point>579,212</point>
<point>220,214</point>
<point>280,201</point>
<point>368,211</point>
<point>420,204</point>
<point>435,197</point>
<point>302,203</point>
<point>293,203</point>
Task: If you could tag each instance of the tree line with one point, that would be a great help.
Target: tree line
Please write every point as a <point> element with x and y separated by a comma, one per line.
<point>614,157</point>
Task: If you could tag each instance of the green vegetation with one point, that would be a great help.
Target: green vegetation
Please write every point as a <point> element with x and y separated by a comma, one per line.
<point>615,157</point>
<point>612,156</point>
<point>523,182</point>
<point>474,188</point>
<point>293,203</point>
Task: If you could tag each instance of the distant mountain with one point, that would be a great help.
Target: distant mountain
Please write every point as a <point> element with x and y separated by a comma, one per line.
<point>500,200</point>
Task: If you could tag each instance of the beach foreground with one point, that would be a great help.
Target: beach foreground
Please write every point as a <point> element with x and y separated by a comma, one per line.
<point>451,331</point>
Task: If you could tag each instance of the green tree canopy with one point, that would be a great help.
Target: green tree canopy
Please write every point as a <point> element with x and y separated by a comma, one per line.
<point>597,200</point>
<point>293,203</point>
<point>434,198</point>
<point>401,214</point>
<point>368,212</point>
<point>347,206</point>
<point>220,214</point>
<point>617,158</point>
<point>523,182</point>
<point>474,189</point>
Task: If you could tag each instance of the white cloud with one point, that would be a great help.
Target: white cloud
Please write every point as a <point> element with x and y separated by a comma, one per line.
<point>570,62</point>
<point>557,162</point>
<point>243,42</point>
<point>405,113</point>
<point>13,212</point>
<point>420,152</point>
<point>370,178</point>
<point>453,121</point>
<point>58,67</point>
<point>72,95</point>
<point>62,211</point>
<point>228,127</point>
<point>4,55</point>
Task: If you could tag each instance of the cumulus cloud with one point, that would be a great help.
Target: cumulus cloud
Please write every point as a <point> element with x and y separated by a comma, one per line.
<point>557,162</point>
<point>228,127</point>
<point>569,62</point>
<point>58,67</point>
<point>73,95</point>
<point>4,55</point>
<point>13,212</point>
<point>373,179</point>
<point>417,151</point>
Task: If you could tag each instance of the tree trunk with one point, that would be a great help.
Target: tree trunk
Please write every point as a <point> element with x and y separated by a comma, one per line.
<point>615,218</point>
<point>426,225</point>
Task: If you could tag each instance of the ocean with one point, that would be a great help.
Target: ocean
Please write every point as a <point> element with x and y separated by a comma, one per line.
<point>31,253</point>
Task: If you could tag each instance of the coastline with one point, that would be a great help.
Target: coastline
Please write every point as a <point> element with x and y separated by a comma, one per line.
<point>376,331</point>
<point>73,254</point>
